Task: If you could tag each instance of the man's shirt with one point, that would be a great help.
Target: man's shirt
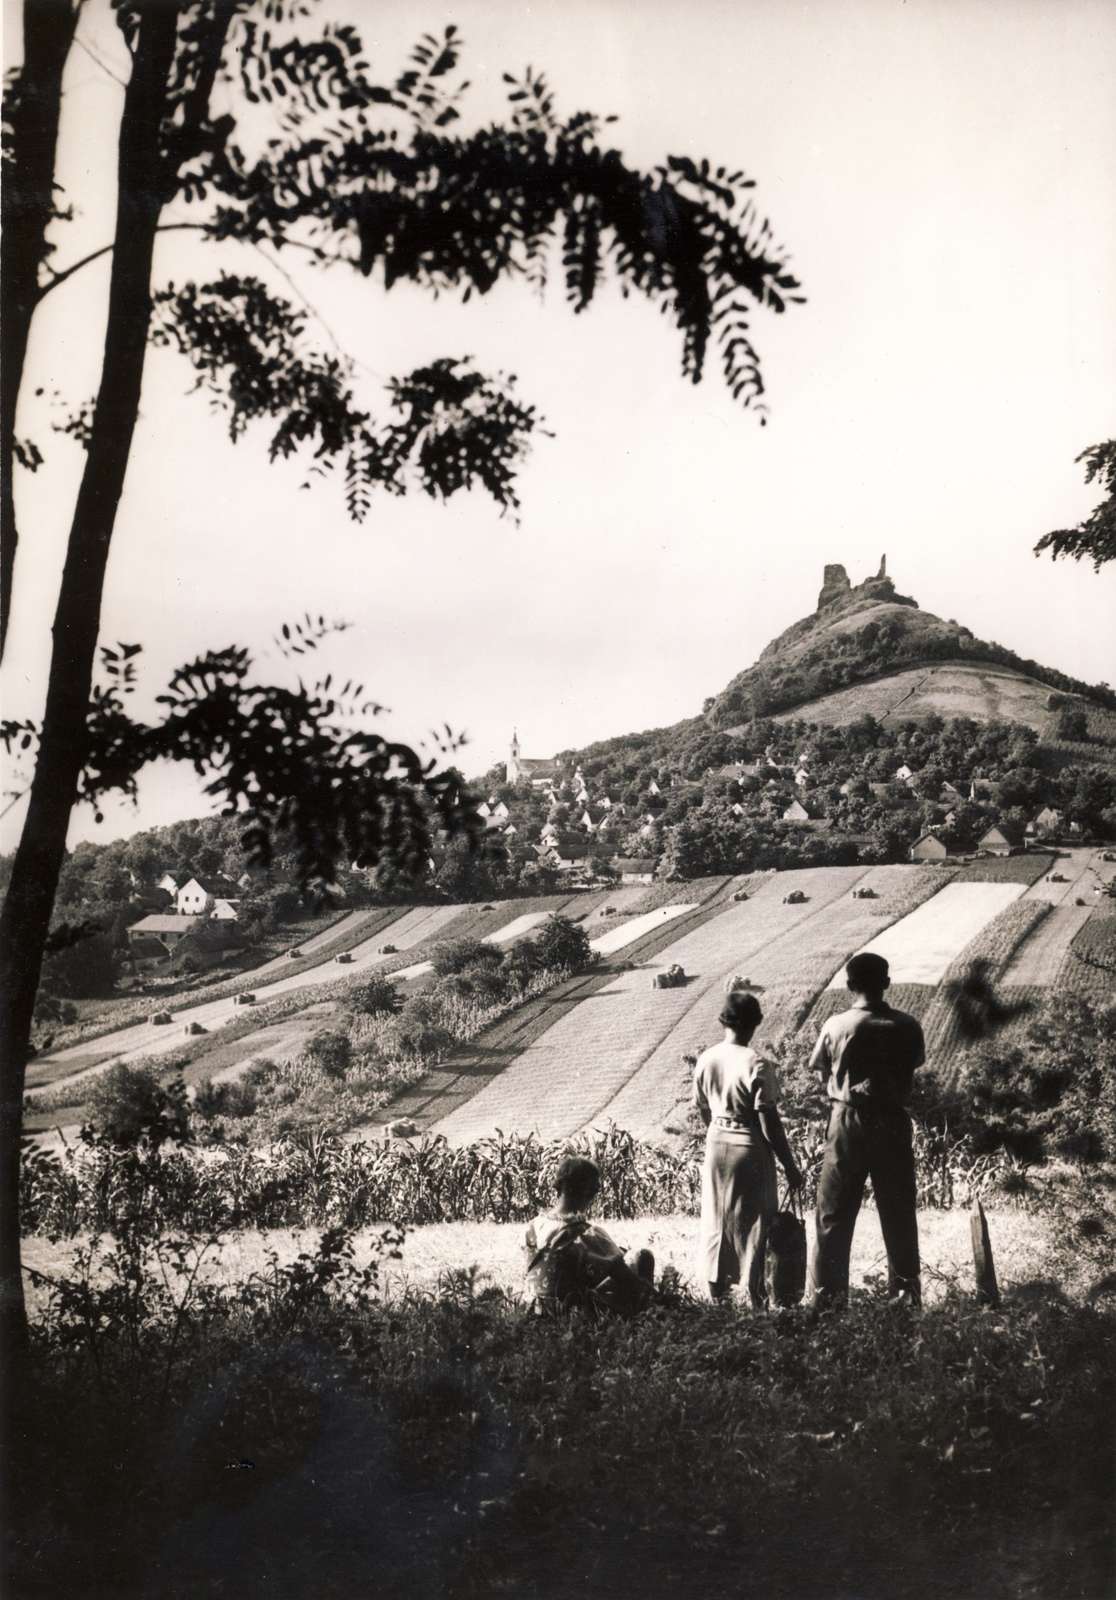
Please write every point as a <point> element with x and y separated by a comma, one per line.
<point>869,1051</point>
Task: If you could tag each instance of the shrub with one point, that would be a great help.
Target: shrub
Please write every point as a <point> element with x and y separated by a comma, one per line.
<point>129,1106</point>
<point>378,997</point>
<point>331,1051</point>
<point>459,955</point>
<point>1053,1092</point>
<point>561,943</point>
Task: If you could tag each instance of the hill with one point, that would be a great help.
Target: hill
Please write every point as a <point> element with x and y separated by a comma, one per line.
<point>868,633</point>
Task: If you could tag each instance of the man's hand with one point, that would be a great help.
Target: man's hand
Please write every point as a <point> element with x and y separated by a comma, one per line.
<point>794,1176</point>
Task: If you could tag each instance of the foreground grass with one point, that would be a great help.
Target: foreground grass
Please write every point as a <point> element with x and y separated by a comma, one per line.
<point>314,1439</point>
<point>1021,1243</point>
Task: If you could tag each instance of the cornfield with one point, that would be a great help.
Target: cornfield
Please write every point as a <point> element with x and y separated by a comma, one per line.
<point>315,1180</point>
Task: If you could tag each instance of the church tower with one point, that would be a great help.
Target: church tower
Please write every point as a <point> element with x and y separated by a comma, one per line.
<point>512,770</point>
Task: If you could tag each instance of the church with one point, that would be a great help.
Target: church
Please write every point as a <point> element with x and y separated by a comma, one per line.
<point>524,769</point>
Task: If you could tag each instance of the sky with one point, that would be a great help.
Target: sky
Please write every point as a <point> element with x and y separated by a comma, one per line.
<point>943,176</point>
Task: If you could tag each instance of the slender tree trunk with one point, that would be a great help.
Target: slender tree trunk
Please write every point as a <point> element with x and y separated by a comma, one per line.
<point>27,207</point>
<point>63,744</point>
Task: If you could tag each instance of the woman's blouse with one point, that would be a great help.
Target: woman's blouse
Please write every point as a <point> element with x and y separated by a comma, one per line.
<point>730,1079</point>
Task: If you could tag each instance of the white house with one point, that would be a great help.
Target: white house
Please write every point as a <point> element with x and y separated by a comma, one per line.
<point>635,869</point>
<point>928,847</point>
<point>802,777</point>
<point>653,788</point>
<point>197,896</point>
<point>796,812</point>
<point>904,774</point>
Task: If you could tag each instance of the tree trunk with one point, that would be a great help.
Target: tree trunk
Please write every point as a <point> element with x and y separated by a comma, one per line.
<point>27,208</point>
<point>63,745</point>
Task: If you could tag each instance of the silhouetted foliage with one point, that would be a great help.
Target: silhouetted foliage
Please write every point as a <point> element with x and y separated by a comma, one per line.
<point>1096,536</point>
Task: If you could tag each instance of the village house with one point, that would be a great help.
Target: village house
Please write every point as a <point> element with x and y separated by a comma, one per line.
<point>1000,840</point>
<point>796,812</point>
<point>198,896</point>
<point>635,869</point>
<point>903,774</point>
<point>158,935</point>
<point>802,777</point>
<point>1046,822</point>
<point>928,847</point>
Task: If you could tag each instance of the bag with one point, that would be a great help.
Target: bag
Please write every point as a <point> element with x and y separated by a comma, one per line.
<point>558,1273</point>
<point>785,1265</point>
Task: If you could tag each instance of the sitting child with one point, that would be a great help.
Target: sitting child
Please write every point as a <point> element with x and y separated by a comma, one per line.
<point>570,1260</point>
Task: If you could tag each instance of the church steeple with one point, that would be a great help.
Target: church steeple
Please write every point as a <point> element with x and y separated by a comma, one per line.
<point>512,770</point>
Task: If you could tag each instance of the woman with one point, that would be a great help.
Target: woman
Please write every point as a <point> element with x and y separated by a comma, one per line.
<point>735,1093</point>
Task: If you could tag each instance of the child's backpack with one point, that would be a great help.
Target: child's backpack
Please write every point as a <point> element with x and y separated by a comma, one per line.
<point>558,1273</point>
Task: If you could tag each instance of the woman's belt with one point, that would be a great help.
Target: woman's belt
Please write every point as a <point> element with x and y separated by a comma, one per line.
<point>736,1124</point>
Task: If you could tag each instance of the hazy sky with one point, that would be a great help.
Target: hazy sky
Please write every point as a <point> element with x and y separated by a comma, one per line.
<point>943,173</point>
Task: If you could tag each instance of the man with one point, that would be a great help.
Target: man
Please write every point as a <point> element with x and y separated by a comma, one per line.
<point>868,1055</point>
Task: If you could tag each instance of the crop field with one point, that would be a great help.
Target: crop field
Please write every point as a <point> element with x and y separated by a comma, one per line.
<point>574,1071</point>
<point>920,948</point>
<point>1026,869</point>
<point>618,938</point>
<point>956,1018</point>
<point>792,967</point>
<point>1090,965</point>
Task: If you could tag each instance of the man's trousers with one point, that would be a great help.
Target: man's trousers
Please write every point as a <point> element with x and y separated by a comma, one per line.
<point>866,1141</point>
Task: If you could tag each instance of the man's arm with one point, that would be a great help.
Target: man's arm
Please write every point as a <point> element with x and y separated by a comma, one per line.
<point>821,1061</point>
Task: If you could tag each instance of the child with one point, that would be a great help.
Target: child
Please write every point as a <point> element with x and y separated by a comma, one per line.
<point>571,1260</point>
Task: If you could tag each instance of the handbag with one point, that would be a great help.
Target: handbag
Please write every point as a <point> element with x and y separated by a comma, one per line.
<point>785,1263</point>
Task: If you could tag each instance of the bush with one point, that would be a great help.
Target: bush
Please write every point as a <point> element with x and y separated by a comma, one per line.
<point>331,1052</point>
<point>461,954</point>
<point>1053,1092</point>
<point>376,998</point>
<point>561,943</point>
<point>129,1106</point>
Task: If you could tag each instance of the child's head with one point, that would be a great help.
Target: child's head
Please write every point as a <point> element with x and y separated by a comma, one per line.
<point>577,1182</point>
<point>867,974</point>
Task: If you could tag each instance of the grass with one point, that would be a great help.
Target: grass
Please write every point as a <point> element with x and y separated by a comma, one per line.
<point>422,1443</point>
<point>1021,1243</point>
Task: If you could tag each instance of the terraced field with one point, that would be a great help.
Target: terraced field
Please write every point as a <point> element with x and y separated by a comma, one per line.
<point>579,1069</point>
<point>1038,959</point>
<point>920,948</point>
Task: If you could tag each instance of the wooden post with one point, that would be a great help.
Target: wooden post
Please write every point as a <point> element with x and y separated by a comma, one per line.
<point>988,1292</point>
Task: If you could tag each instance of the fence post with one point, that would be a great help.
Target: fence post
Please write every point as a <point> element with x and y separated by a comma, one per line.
<point>988,1292</point>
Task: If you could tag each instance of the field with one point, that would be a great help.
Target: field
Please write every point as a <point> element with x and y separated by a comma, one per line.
<point>792,965</point>
<point>920,948</point>
<point>987,693</point>
<point>617,1054</point>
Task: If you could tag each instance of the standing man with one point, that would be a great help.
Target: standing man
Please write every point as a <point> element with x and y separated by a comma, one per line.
<point>868,1056</point>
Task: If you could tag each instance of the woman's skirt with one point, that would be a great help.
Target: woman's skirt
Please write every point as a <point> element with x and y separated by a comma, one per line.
<point>739,1195</point>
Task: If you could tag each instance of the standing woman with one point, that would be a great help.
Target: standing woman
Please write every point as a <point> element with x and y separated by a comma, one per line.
<point>735,1092</point>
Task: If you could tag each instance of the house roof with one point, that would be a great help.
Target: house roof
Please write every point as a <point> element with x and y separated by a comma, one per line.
<point>218,885</point>
<point>1003,831</point>
<point>162,923</point>
<point>924,837</point>
<point>796,812</point>
<point>635,863</point>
